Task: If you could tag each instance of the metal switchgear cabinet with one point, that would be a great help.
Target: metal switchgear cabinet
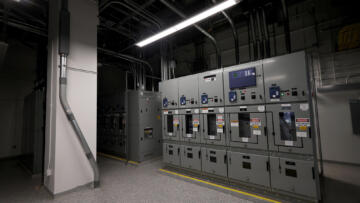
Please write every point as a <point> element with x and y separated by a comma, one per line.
<point>289,128</point>
<point>211,92</point>
<point>246,127</point>
<point>213,126</point>
<point>191,157</point>
<point>189,91</point>
<point>144,125</point>
<point>243,84</point>
<point>171,154</point>
<point>249,168</point>
<point>190,124</point>
<point>171,125</point>
<point>214,161</point>
<point>286,78</point>
<point>169,90</point>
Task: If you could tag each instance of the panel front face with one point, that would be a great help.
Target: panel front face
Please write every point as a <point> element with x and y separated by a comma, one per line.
<point>246,127</point>
<point>171,125</point>
<point>294,176</point>
<point>171,154</point>
<point>213,126</point>
<point>286,78</point>
<point>243,84</point>
<point>249,168</point>
<point>211,91</point>
<point>189,92</point>
<point>290,126</point>
<point>190,157</point>
<point>214,161</point>
<point>190,122</point>
<point>169,90</point>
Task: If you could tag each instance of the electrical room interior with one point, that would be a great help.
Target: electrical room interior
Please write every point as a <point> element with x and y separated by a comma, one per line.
<point>179,101</point>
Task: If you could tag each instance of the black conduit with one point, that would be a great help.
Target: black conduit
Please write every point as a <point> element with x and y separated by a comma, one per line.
<point>212,39</point>
<point>266,34</point>
<point>260,32</point>
<point>286,27</point>
<point>254,40</point>
<point>64,35</point>
<point>235,35</point>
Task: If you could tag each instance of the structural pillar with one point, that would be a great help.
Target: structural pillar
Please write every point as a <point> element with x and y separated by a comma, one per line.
<point>65,165</point>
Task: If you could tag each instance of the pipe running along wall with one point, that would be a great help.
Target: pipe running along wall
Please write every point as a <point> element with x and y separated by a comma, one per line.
<point>64,36</point>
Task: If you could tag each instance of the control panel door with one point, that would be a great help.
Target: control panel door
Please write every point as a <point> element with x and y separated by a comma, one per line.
<point>248,130</point>
<point>213,128</point>
<point>171,154</point>
<point>171,125</point>
<point>249,168</point>
<point>285,78</point>
<point>290,127</point>
<point>211,88</point>
<point>191,157</point>
<point>189,91</point>
<point>214,161</point>
<point>191,128</point>
<point>169,93</point>
<point>243,84</point>
<point>294,176</point>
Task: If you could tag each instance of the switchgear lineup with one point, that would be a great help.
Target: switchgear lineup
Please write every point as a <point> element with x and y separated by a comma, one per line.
<point>249,124</point>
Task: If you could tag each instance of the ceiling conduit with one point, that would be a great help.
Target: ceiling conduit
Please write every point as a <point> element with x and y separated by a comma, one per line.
<point>212,39</point>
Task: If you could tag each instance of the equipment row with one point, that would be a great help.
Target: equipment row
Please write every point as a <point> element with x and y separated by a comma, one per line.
<point>275,80</point>
<point>277,127</point>
<point>277,173</point>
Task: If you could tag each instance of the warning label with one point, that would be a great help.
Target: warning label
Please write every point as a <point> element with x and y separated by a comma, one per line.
<point>255,123</point>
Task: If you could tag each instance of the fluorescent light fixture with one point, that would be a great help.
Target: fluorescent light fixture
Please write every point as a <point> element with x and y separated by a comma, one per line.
<point>186,23</point>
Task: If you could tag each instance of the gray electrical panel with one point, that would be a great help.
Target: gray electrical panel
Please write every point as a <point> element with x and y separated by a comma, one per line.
<point>286,78</point>
<point>249,168</point>
<point>289,128</point>
<point>190,125</point>
<point>212,124</point>
<point>171,154</point>
<point>211,92</point>
<point>293,176</point>
<point>189,92</point>
<point>190,157</point>
<point>248,123</point>
<point>171,125</point>
<point>243,84</point>
<point>214,161</point>
<point>144,123</point>
<point>246,127</point>
<point>169,90</point>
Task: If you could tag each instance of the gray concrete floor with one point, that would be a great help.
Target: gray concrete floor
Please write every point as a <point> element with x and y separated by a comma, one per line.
<point>144,183</point>
<point>119,183</point>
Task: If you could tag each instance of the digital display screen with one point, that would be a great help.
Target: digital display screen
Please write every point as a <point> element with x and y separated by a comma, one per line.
<point>242,78</point>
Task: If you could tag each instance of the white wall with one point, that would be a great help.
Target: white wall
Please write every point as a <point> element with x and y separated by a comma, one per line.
<point>65,160</point>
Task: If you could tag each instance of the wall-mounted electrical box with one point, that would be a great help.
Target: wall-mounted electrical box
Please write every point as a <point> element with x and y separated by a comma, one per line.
<point>211,92</point>
<point>189,91</point>
<point>243,84</point>
<point>169,90</point>
<point>286,78</point>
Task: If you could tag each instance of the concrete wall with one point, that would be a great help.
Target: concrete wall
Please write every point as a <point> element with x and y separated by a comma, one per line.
<point>16,81</point>
<point>338,143</point>
<point>66,166</point>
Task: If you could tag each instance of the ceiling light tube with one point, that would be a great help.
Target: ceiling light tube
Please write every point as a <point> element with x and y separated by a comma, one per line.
<point>186,23</point>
